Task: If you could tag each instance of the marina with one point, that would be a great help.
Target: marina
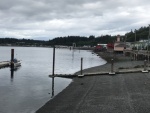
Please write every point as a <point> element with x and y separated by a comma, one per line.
<point>30,84</point>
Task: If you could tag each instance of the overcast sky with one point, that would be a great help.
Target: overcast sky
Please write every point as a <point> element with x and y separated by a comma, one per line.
<point>47,19</point>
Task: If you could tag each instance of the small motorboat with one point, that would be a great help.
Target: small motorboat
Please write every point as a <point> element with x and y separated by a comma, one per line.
<point>16,63</point>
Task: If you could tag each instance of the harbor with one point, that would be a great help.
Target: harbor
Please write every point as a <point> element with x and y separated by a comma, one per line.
<point>42,73</point>
<point>74,56</point>
<point>29,87</point>
<point>51,81</point>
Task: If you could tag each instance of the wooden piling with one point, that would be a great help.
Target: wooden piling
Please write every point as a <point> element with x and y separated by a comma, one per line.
<point>53,61</point>
<point>145,65</point>
<point>112,67</point>
<point>12,58</point>
<point>81,65</point>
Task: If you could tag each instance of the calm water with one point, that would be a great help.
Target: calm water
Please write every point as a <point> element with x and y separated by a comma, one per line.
<point>29,87</point>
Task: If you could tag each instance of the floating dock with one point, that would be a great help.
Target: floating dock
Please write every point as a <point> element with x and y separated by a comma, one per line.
<point>4,64</point>
<point>120,71</point>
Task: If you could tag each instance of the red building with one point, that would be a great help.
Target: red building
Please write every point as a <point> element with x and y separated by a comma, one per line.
<point>110,46</point>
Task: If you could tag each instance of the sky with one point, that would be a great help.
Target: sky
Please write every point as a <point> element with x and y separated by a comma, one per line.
<point>47,19</point>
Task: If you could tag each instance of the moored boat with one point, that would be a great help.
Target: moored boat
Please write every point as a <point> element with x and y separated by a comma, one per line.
<point>16,62</point>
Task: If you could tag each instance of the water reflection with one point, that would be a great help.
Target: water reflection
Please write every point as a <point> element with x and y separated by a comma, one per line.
<point>30,86</point>
<point>52,87</point>
<point>73,54</point>
<point>12,69</point>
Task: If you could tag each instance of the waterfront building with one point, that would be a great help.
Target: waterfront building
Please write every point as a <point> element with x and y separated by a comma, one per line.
<point>119,45</point>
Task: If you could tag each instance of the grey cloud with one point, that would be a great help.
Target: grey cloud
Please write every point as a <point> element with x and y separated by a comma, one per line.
<point>53,18</point>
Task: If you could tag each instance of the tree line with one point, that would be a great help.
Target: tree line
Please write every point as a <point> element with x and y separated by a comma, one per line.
<point>141,34</point>
<point>21,42</point>
<point>81,40</point>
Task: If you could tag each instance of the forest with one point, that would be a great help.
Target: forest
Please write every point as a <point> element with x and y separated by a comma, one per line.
<point>141,34</point>
<point>21,42</point>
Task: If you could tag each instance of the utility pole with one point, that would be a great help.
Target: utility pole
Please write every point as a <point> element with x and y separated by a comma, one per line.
<point>134,46</point>
<point>125,38</point>
<point>148,44</point>
<point>135,38</point>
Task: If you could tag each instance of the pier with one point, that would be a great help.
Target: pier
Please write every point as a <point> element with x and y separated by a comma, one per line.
<point>137,54</point>
<point>119,71</point>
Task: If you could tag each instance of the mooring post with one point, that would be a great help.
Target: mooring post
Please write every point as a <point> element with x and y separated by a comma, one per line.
<point>12,58</point>
<point>53,61</point>
<point>112,67</point>
<point>81,73</point>
<point>81,65</point>
<point>145,65</point>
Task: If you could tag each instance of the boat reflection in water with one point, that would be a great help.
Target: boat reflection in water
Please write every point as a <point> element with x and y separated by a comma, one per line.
<point>13,69</point>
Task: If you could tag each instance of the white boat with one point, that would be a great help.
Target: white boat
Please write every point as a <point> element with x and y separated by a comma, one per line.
<point>16,62</point>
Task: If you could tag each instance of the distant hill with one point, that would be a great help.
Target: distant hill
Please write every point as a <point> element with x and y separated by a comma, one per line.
<point>141,33</point>
<point>21,42</point>
<point>81,40</point>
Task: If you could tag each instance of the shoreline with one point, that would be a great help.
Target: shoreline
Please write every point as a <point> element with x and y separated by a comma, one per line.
<point>117,57</point>
<point>77,88</point>
<point>107,56</point>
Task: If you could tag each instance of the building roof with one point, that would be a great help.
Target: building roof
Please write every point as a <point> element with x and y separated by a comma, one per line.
<point>120,45</point>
